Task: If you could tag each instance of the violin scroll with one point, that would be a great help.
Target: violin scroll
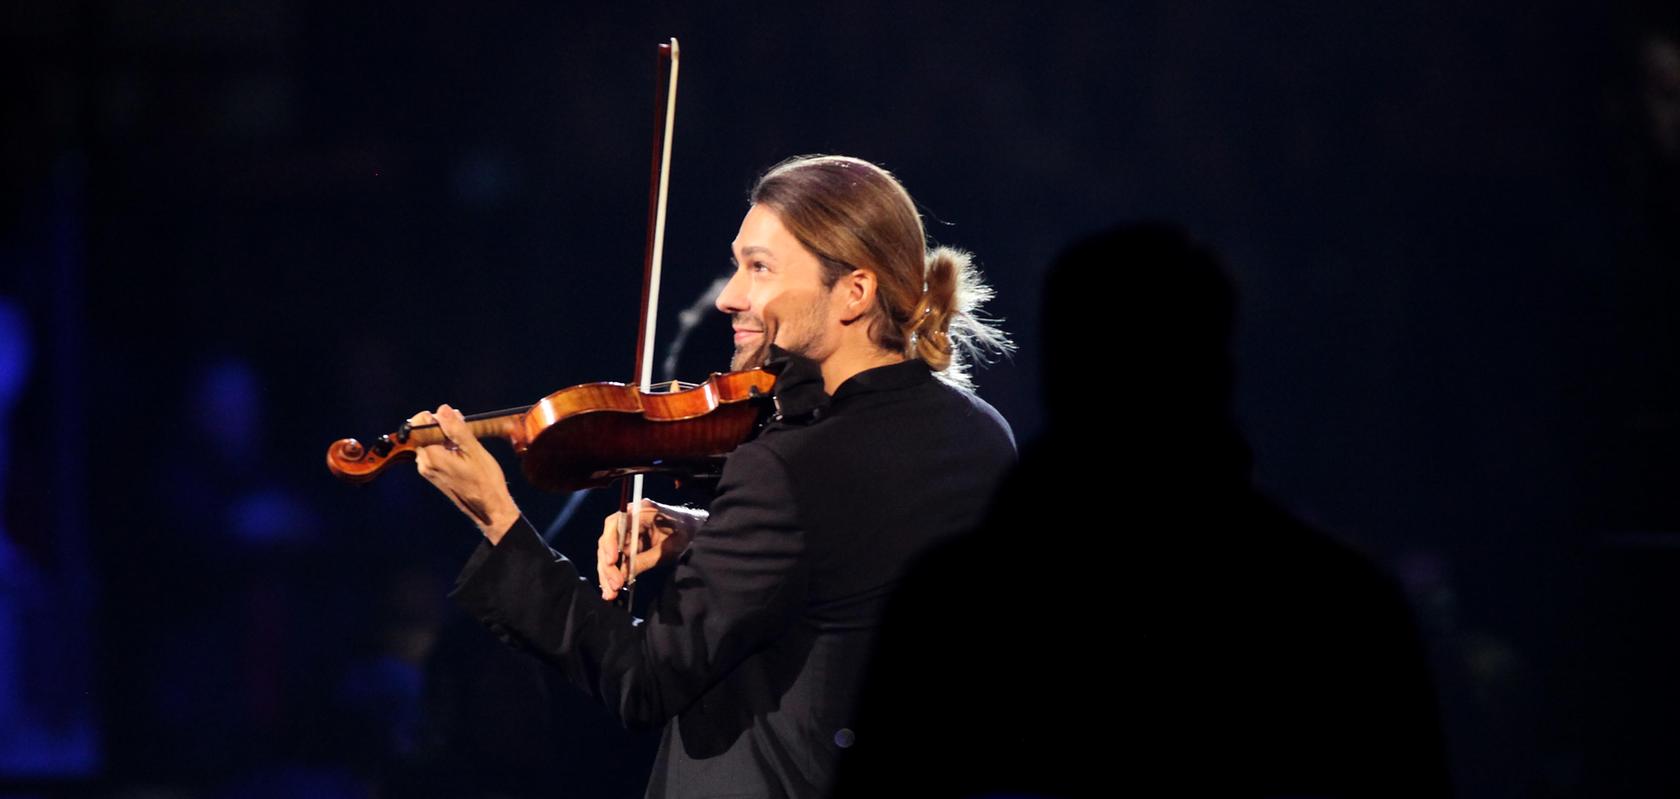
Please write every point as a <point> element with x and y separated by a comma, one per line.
<point>354,462</point>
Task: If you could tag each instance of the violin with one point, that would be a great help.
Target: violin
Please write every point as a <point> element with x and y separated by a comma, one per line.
<point>588,435</point>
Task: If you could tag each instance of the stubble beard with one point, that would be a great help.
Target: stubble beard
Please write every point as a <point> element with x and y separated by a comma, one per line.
<point>799,336</point>
<point>752,356</point>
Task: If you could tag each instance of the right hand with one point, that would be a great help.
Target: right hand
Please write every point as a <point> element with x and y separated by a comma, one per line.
<point>665,531</point>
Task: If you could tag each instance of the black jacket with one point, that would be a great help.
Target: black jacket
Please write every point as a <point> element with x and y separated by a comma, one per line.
<point>752,654</point>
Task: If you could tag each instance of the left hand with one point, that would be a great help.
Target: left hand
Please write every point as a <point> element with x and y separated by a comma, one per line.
<point>466,473</point>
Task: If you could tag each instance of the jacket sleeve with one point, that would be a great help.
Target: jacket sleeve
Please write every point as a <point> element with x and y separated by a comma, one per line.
<point>740,584</point>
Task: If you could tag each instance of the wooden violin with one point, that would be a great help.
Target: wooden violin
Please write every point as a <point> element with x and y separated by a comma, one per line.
<point>588,435</point>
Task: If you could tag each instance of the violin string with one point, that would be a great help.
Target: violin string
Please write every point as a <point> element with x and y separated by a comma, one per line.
<point>520,411</point>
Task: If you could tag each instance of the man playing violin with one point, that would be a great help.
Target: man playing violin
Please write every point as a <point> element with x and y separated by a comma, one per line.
<point>752,653</point>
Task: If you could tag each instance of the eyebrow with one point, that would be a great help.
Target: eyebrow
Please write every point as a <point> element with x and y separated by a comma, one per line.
<point>755,249</point>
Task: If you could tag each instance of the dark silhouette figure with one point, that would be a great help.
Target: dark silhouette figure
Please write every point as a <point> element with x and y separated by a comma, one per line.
<point>1134,617</point>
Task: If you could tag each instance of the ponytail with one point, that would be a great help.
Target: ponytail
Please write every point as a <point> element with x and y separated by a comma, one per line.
<point>946,329</point>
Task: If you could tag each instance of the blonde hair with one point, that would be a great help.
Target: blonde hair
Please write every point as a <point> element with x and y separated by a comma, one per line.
<point>855,215</point>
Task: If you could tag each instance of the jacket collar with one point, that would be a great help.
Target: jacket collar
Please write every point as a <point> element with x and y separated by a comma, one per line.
<point>799,383</point>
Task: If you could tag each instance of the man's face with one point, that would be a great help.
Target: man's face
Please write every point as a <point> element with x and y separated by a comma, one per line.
<point>777,286</point>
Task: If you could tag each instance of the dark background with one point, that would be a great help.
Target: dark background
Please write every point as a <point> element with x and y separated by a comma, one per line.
<point>232,233</point>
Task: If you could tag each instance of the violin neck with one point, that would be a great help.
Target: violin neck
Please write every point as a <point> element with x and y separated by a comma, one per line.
<point>494,424</point>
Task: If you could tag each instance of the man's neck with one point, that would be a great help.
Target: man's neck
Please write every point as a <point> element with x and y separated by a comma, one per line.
<point>843,364</point>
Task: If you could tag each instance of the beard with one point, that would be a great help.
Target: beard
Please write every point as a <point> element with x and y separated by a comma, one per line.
<point>800,334</point>
<point>756,353</point>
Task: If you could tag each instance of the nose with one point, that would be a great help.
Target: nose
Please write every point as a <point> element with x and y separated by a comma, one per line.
<point>733,298</point>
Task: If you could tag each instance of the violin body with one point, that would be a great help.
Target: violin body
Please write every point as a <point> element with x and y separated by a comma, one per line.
<point>591,434</point>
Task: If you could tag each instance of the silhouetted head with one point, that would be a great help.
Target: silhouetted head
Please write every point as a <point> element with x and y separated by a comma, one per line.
<point>1149,311</point>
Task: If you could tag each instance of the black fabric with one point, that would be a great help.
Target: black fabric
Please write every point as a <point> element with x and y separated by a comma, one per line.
<point>752,654</point>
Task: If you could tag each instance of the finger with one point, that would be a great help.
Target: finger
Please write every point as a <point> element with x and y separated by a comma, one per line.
<point>454,425</point>
<point>647,531</point>
<point>611,580</point>
<point>606,553</point>
<point>675,542</point>
<point>607,543</point>
<point>436,463</point>
<point>449,426</point>
<point>661,529</point>
<point>653,524</point>
<point>647,560</point>
<point>651,532</point>
<point>425,418</point>
<point>601,578</point>
<point>427,464</point>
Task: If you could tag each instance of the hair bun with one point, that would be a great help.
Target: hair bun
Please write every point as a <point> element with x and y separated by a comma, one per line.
<point>952,295</point>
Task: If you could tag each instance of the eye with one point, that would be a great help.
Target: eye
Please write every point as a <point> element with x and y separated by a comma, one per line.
<point>758,266</point>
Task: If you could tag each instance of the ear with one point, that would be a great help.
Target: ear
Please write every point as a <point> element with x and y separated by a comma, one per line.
<point>854,294</point>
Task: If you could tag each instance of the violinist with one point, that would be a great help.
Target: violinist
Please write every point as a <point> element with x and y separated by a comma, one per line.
<point>751,653</point>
